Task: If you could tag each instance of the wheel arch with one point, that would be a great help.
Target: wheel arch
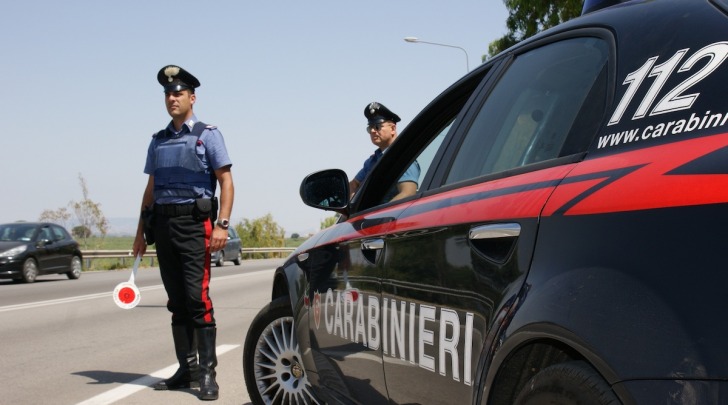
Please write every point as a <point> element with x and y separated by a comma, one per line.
<point>530,350</point>
<point>280,285</point>
<point>611,318</point>
<point>288,281</point>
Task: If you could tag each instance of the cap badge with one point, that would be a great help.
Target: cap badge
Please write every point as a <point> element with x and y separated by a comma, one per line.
<point>170,72</point>
<point>373,107</point>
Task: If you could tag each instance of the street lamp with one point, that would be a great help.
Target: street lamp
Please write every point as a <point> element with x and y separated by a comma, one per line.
<point>415,40</point>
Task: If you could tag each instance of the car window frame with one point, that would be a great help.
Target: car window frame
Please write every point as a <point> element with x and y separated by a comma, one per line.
<point>487,76</point>
<point>440,177</point>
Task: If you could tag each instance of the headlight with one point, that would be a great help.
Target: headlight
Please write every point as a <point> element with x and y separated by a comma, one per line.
<point>14,251</point>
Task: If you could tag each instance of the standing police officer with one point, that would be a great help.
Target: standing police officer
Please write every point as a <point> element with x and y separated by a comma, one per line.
<point>185,161</point>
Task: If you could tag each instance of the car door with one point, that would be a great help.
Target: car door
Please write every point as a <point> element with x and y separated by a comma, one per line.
<point>348,335</point>
<point>232,248</point>
<point>344,361</point>
<point>455,259</point>
<point>64,244</point>
<point>48,252</point>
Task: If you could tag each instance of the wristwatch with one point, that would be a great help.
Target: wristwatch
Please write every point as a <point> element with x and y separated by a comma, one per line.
<point>223,223</point>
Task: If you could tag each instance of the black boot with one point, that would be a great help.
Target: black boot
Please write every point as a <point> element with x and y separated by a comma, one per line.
<point>208,361</point>
<point>185,347</point>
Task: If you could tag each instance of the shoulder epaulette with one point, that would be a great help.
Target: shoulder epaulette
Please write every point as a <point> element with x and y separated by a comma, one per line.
<point>198,128</point>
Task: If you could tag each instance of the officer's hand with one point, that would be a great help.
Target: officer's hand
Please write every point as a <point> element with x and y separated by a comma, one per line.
<point>219,239</point>
<point>140,246</point>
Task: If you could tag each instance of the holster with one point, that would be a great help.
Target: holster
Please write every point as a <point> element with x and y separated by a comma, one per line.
<point>205,208</point>
<point>148,224</point>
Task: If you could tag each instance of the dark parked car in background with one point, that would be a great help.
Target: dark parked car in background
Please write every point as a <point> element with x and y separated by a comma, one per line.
<point>232,251</point>
<point>566,244</point>
<point>31,249</point>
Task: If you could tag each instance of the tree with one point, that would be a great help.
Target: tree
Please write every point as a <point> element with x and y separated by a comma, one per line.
<point>261,232</point>
<point>88,216</point>
<point>88,213</point>
<point>528,17</point>
<point>81,232</point>
<point>295,236</point>
<point>327,222</point>
<point>59,216</point>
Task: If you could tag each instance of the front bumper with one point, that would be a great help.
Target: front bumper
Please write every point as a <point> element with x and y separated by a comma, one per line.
<point>10,267</point>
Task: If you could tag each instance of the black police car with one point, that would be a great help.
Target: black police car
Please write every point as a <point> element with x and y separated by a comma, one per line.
<point>567,243</point>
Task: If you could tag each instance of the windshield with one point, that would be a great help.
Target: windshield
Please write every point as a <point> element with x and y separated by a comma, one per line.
<point>17,232</point>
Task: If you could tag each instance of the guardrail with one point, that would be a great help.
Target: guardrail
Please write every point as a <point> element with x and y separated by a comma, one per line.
<point>123,255</point>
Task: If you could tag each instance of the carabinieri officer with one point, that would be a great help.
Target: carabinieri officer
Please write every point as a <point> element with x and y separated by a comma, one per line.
<point>185,161</point>
<point>382,130</point>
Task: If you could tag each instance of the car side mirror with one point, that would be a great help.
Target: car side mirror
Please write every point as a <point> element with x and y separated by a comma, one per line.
<point>44,242</point>
<point>327,190</point>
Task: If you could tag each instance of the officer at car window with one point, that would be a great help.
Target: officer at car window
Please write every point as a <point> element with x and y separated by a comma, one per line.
<point>382,129</point>
<point>185,162</point>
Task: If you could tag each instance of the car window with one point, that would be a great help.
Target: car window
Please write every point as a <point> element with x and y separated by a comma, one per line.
<point>25,233</point>
<point>537,111</point>
<point>418,167</point>
<point>7,233</point>
<point>418,151</point>
<point>58,233</point>
<point>45,234</point>
<point>19,232</point>
<point>425,158</point>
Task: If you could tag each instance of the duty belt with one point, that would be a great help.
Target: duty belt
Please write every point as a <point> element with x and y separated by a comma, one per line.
<point>173,210</point>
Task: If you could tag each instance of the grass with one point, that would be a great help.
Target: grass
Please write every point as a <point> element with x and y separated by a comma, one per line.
<point>108,243</point>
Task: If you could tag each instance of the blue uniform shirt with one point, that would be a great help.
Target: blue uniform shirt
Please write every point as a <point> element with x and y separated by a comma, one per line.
<point>210,150</point>
<point>368,164</point>
<point>412,174</point>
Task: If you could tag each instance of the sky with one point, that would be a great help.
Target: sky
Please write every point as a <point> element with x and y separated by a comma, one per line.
<point>286,82</point>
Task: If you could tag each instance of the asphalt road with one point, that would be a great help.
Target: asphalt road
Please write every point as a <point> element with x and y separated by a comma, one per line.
<point>66,342</point>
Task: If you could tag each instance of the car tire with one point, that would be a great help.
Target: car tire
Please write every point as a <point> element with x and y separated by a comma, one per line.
<point>238,258</point>
<point>569,383</point>
<point>76,268</point>
<point>30,270</point>
<point>272,359</point>
<point>220,259</point>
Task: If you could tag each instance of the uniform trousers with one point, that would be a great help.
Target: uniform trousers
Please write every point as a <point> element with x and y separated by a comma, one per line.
<point>183,251</point>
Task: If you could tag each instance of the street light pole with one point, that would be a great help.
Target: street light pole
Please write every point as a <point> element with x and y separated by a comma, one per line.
<point>416,40</point>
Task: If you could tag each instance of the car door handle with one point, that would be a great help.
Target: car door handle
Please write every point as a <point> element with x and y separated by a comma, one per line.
<point>495,242</point>
<point>372,249</point>
<point>372,244</point>
<point>495,231</point>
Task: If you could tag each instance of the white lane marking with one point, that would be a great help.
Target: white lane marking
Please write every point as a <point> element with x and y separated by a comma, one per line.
<point>69,299</point>
<point>119,393</point>
<point>38,304</point>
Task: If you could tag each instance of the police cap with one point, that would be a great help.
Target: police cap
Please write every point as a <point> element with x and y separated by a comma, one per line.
<point>377,113</point>
<point>174,78</point>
